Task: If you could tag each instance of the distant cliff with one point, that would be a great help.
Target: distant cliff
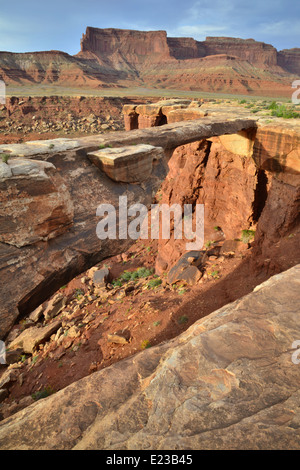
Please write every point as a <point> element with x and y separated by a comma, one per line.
<point>116,57</point>
<point>289,59</point>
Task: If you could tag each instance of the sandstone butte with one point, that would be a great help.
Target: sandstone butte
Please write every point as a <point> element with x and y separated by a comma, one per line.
<point>114,57</point>
<point>229,381</point>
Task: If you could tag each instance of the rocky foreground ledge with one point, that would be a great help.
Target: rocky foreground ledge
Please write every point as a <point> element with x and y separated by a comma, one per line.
<point>228,382</point>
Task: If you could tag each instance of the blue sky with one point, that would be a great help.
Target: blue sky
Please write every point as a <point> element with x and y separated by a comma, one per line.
<point>31,25</point>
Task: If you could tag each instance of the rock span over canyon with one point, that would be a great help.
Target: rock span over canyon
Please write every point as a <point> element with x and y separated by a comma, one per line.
<point>233,365</point>
<point>126,58</point>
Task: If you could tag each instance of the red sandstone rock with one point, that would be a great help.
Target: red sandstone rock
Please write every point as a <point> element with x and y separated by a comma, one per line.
<point>206,173</point>
<point>289,59</point>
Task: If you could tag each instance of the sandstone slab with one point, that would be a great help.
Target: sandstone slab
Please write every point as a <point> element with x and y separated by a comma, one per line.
<point>129,164</point>
<point>39,147</point>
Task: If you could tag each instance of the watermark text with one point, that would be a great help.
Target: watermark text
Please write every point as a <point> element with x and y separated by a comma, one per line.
<point>136,221</point>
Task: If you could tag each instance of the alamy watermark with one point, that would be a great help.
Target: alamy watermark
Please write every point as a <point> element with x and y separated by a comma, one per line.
<point>136,221</point>
<point>2,353</point>
<point>2,92</point>
<point>295,99</point>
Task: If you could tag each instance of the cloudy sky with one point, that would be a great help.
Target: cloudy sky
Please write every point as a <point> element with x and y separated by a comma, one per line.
<point>31,25</point>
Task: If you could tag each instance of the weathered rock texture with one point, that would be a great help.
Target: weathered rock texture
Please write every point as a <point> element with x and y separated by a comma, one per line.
<point>34,203</point>
<point>115,57</point>
<point>228,382</point>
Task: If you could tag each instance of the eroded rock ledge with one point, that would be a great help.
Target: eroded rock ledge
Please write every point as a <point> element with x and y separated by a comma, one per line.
<point>228,382</point>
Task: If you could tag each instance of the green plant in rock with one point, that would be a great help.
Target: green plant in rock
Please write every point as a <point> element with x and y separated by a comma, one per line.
<point>104,146</point>
<point>154,283</point>
<point>46,392</point>
<point>181,291</point>
<point>127,276</point>
<point>5,157</point>
<point>183,319</point>
<point>134,275</point>
<point>146,344</point>
<point>214,274</point>
<point>248,235</point>
<point>78,293</point>
<point>34,359</point>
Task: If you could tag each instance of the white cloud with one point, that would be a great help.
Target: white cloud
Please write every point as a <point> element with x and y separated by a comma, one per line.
<point>201,31</point>
<point>280,28</point>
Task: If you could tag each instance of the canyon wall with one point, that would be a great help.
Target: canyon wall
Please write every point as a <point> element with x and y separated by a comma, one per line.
<point>186,48</point>
<point>289,59</point>
<point>257,53</point>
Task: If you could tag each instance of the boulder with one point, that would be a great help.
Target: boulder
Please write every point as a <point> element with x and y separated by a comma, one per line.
<point>186,268</point>
<point>101,277</point>
<point>29,339</point>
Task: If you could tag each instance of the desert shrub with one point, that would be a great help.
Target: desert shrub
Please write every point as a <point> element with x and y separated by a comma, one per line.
<point>5,157</point>
<point>214,274</point>
<point>154,283</point>
<point>247,235</point>
<point>273,105</point>
<point>133,275</point>
<point>282,111</point>
<point>43,393</point>
<point>183,319</point>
